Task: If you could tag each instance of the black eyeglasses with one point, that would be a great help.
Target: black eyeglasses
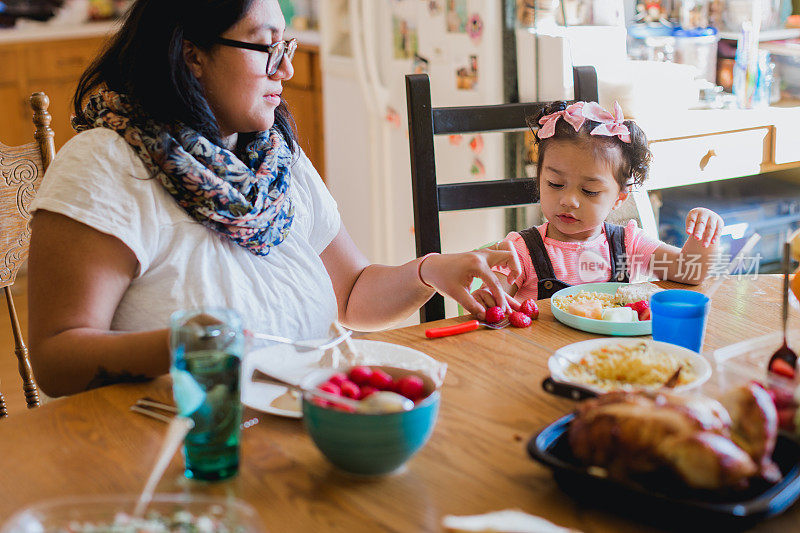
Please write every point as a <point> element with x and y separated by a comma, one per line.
<point>276,52</point>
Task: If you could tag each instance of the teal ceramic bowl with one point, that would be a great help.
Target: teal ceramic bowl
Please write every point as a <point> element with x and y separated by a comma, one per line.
<point>370,444</point>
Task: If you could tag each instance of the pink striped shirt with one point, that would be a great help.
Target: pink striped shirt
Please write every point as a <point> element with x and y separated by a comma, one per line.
<point>583,262</point>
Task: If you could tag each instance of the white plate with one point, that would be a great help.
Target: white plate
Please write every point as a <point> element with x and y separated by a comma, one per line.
<point>592,325</point>
<point>282,360</point>
<point>571,353</point>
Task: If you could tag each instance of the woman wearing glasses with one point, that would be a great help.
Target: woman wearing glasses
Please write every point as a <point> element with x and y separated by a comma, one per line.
<point>186,188</point>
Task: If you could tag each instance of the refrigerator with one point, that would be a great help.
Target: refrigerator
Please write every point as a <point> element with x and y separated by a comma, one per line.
<point>367,48</point>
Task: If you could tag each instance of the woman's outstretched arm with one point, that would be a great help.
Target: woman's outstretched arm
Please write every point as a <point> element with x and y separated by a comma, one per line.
<point>374,296</point>
<point>77,278</point>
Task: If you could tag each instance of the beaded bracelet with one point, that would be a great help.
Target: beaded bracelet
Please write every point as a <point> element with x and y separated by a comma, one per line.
<point>419,270</point>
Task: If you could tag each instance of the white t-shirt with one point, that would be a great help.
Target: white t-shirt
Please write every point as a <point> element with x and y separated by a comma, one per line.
<point>98,179</point>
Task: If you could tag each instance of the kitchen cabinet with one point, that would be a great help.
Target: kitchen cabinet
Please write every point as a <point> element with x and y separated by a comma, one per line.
<point>54,65</point>
<point>303,94</point>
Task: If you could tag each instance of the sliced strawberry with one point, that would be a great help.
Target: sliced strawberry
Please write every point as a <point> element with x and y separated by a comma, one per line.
<point>782,368</point>
<point>783,398</point>
<point>642,308</point>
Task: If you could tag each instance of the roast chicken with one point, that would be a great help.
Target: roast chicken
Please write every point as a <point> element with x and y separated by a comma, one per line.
<point>706,443</point>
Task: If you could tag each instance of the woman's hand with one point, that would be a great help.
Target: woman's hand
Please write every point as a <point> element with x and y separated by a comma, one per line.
<point>452,274</point>
<point>704,225</point>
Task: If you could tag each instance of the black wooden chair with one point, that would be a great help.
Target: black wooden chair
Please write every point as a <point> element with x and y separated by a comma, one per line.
<point>430,198</point>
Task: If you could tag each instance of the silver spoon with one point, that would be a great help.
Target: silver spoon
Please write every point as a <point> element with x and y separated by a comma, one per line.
<point>376,403</point>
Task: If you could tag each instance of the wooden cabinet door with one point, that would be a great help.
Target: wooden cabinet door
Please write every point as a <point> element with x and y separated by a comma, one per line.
<point>12,117</point>
<point>305,107</point>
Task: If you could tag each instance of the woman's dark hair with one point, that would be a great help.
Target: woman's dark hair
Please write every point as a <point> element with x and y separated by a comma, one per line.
<point>144,61</point>
<point>630,170</point>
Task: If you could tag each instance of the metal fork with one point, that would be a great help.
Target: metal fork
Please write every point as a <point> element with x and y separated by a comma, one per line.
<point>464,327</point>
<point>304,346</point>
<point>150,407</point>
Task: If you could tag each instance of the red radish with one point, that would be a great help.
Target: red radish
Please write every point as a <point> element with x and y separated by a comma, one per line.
<point>330,388</point>
<point>412,387</point>
<point>782,368</point>
<point>366,390</point>
<point>320,402</point>
<point>360,375</point>
<point>337,378</point>
<point>519,320</point>
<point>350,390</point>
<point>530,308</point>
<point>381,380</point>
<point>494,315</point>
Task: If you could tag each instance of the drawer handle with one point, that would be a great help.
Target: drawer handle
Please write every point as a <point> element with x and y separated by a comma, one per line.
<point>707,158</point>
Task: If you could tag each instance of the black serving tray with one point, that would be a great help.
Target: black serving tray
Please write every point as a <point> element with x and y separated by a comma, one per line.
<point>660,499</point>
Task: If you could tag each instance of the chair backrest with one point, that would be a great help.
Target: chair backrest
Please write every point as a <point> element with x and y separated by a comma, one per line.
<point>430,198</point>
<point>21,171</point>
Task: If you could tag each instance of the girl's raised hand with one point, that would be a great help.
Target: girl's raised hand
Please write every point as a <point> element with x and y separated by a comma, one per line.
<point>452,274</point>
<point>704,225</point>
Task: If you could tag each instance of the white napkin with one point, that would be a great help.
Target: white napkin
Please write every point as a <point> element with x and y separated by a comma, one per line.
<point>508,521</point>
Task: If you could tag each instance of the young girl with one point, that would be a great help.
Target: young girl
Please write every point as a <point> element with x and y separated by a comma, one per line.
<point>587,160</point>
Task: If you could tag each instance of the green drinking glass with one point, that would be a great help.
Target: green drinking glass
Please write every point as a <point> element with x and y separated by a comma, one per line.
<point>206,347</point>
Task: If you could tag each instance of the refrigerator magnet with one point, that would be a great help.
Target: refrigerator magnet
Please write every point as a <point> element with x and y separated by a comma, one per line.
<point>405,38</point>
<point>475,28</point>
<point>434,7</point>
<point>477,169</point>
<point>455,140</point>
<point>467,76</point>
<point>456,16</point>
<point>392,117</point>
<point>476,144</point>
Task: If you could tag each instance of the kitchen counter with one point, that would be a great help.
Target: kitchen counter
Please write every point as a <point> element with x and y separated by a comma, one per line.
<point>32,31</point>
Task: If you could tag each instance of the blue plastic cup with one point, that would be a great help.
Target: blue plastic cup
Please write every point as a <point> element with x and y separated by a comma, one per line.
<point>679,317</point>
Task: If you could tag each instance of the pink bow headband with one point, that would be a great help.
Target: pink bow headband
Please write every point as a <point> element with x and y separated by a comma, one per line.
<point>577,113</point>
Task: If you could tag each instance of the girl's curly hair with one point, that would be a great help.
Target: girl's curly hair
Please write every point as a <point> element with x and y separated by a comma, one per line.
<point>632,167</point>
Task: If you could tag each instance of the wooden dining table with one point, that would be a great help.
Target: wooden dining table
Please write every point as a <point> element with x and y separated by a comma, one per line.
<point>475,462</point>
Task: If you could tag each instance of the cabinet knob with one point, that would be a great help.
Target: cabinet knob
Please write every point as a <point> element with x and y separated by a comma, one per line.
<point>707,158</point>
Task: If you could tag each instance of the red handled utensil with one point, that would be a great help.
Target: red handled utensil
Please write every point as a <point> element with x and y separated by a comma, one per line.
<point>472,325</point>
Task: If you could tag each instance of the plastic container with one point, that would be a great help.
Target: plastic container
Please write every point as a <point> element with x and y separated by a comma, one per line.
<point>220,514</point>
<point>787,69</point>
<point>747,361</point>
<point>698,47</point>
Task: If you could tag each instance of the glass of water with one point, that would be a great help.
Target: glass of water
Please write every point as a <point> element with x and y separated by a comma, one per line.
<point>206,348</point>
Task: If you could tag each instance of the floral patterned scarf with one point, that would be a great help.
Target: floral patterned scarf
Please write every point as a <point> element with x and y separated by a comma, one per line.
<point>245,200</point>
